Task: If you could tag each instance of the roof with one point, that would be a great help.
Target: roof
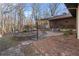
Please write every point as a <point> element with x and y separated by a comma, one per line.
<point>72,8</point>
<point>57,17</point>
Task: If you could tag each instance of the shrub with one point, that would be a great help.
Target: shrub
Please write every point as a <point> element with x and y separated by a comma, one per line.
<point>26,28</point>
<point>66,33</point>
<point>69,32</point>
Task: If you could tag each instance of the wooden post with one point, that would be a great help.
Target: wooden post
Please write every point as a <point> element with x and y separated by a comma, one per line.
<point>37,27</point>
<point>78,22</point>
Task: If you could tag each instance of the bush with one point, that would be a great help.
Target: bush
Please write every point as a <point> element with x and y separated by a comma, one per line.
<point>69,32</point>
<point>26,28</point>
<point>66,33</point>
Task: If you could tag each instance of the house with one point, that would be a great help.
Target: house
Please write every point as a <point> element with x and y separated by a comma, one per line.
<point>65,20</point>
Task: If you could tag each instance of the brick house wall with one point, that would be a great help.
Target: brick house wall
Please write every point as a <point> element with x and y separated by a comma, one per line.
<point>69,22</point>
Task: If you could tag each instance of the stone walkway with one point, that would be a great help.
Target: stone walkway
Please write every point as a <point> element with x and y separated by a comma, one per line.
<point>51,33</point>
<point>48,34</point>
<point>16,51</point>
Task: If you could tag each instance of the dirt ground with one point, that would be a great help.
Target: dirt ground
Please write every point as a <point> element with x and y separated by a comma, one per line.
<point>58,46</point>
<point>50,46</point>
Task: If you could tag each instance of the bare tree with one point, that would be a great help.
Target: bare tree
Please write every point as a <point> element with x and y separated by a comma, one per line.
<point>53,7</point>
<point>20,13</point>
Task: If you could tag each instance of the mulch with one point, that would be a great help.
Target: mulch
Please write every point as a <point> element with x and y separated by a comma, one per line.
<point>58,46</point>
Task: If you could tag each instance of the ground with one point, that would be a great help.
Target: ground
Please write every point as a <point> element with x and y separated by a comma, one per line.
<point>56,45</point>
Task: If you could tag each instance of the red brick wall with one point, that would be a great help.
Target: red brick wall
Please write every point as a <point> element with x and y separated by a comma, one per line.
<point>63,23</point>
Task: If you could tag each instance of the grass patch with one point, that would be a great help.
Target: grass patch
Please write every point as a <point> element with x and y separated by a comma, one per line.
<point>7,42</point>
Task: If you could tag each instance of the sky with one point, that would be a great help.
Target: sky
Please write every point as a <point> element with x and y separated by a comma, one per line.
<point>45,7</point>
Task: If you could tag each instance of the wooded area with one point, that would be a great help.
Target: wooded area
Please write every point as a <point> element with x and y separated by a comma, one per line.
<point>12,17</point>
